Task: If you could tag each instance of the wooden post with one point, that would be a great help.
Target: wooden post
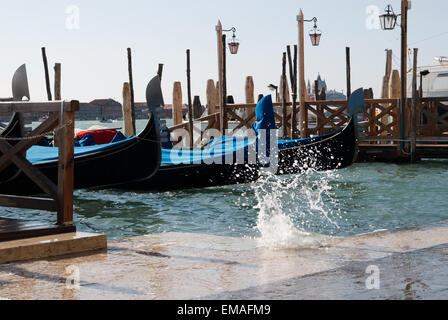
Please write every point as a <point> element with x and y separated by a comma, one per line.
<point>66,168</point>
<point>224,88</point>
<point>319,108</point>
<point>127,112</point>
<point>302,89</point>
<point>385,89</point>
<point>348,72</point>
<point>280,86</point>
<point>219,87</point>
<point>249,90</point>
<point>47,75</point>
<point>57,81</point>
<point>160,71</point>
<point>190,106</point>
<point>177,103</point>
<point>413,134</point>
<point>293,80</point>
<point>249,95</point>
<point>212,103</point>
<point>283,86</point>
<point>404,52</point>
<point>57,96</point>
<point>394,91</point>
<point>131,86</point>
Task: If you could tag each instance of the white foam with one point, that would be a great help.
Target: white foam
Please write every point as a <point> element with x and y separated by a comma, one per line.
<point>286,205</point>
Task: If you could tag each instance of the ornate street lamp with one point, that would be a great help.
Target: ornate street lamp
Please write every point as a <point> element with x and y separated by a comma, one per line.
<point>233,44</point>
<point>315,33</point>
<point>388,20</point>
<point>315,36</point>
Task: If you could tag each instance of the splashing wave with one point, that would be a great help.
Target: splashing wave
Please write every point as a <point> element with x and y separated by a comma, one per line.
<point>293,209</point>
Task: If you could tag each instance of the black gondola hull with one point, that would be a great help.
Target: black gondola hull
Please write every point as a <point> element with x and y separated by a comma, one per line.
<point>335,151</point>
<point>135,159</point>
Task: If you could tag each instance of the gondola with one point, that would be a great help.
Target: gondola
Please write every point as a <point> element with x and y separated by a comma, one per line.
<point>14,128</point>
<point>106,165</point>
<point>336,150</point>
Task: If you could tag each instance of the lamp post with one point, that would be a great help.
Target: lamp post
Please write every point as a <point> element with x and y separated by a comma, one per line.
<point>423,73</point>
<point>388,21</point>
<point>233,48</point>
<point>315,35</point>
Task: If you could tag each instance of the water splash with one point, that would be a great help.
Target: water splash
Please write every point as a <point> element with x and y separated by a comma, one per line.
<point>294,210</point>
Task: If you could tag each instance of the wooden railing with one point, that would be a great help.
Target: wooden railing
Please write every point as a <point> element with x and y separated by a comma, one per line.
<point>61,195</point>
<point>432,118</point>
<point>380,123</point>
<point>382,117</point>
<point>198,129</point>
<point>326,116</point>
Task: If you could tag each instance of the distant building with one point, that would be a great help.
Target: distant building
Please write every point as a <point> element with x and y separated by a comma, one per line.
<point>99,109</point>
<point>110,109</point>
<point>322,86</point>
<point>336,95</point>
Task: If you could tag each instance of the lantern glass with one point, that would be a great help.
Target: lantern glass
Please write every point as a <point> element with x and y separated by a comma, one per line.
<point>233,47</point>
<point>315,37</point>
<point>388,21</point>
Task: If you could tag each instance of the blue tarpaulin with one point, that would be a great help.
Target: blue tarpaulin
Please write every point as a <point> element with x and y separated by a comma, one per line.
<point>39,154</point>
<point>219,150</point>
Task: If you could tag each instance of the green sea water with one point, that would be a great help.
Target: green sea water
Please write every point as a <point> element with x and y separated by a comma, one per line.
<point>363,198</point>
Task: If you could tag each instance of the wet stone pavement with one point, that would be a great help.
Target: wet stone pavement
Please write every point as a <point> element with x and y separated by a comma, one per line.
<point>407,264</point>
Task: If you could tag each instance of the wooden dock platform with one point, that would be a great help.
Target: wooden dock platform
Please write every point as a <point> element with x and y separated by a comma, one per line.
<point>391,152</point>
<point>48,246</point>
<point>13,229</point>
<point>24,240</point>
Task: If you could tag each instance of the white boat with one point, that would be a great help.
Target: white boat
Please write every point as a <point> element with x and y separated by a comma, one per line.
<point>435,83</point>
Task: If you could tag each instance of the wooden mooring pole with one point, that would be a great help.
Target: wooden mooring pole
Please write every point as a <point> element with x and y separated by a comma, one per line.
<point>413,134</point>
<point>57,82</point>
<point>66,167</point>
<point>404,53</point>
<point>302,89</point>
<point>177,103</point>
<point>348,72</point>
<point>190,106</point>
<point>47,75</point>
<point>249,94</point>
<point>224,87</point>
<point>220,61</point>
<point>283,86</point>
<point>131,85</point>
<point>293,80</point>
<point>127,110</point>
<point>387,73</point>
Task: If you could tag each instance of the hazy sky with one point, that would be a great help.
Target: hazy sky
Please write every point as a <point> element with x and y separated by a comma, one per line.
<point>93,52</point>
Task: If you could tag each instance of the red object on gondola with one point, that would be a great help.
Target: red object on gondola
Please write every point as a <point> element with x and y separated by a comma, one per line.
<point>100,136</point>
